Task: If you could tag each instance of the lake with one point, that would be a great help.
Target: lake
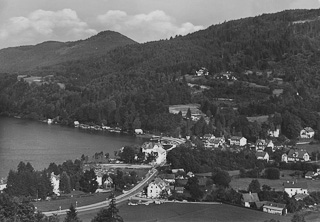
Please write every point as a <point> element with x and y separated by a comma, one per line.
<point>40,143</point>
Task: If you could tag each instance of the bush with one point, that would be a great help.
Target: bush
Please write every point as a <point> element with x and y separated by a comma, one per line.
<point>272,173</point>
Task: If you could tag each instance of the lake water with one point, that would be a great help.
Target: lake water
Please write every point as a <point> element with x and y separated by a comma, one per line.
<point>40,143</point>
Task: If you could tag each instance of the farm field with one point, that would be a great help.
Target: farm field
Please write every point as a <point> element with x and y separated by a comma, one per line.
<point>243,183</point>
<point>194,108</point>
<point>309,147</point>
<point>176,212</point>
<point>44,206</point>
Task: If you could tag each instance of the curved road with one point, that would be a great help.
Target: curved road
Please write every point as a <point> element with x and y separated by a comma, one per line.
<point>119,199</point>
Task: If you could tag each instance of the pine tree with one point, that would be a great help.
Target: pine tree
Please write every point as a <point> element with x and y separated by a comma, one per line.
<point>72,215</point>
<point>110,214</point>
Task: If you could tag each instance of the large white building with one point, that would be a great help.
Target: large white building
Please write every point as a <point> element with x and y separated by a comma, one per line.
<point>156,149</point>
<point>238,141</point>
<point>295,188</point>
<point>55,180</point>
<point>156,187</point>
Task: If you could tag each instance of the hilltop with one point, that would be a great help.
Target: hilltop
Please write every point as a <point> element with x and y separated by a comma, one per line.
<point>32,57</point>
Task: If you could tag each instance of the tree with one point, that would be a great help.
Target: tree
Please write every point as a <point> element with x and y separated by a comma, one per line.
<point>221,177</point>
<point>298,218</point>
<point>88,181</point>
<point>193,187</point>
<point>188,114</point>
<point>72,215</point>
<point>64,184</point>
<point>110,214</point>
<point>127,155</point>
<point>254,186</point>
<point>272,173</point>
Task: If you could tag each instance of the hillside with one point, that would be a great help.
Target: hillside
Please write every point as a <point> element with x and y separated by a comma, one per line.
<point>27,58</point>
<point>134,85</point>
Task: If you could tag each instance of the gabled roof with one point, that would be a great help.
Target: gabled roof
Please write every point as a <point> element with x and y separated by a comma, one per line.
<point>309,129</point>
<point>261,154</point>
<point>302,185</point>
<point>236,138</point>
<point>170,176</point>
<point>297,153</point>
<point>278,206</point>
<point>250,197</point>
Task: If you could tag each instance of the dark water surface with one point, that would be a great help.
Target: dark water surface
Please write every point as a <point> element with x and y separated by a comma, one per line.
<point>40,143</point>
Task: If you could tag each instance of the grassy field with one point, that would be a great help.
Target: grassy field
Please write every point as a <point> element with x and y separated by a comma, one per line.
<point>243,183</point>
<point>194,108</point>
<point>309,147</point>
<point>176,212</point>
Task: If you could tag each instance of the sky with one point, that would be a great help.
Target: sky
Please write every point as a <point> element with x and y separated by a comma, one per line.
<point>29,22</point>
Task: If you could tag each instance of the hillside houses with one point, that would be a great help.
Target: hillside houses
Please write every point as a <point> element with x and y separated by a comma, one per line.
<point>295,155</point>
<point>238,141</point>
<point>261,155</point>
<point>307,133</point>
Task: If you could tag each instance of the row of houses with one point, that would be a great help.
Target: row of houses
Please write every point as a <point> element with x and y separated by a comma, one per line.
<point>297,190</point>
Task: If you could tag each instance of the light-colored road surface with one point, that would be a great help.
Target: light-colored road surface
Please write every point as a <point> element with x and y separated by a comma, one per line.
<point>119,199</point>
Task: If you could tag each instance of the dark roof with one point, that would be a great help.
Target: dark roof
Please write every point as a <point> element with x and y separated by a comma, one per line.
<point>297,153</point>
<point>181,182</point>
<point>209,174</point>
<point>167,176</point>
<point>274,205</point>
<point>260,154</point>
<point>250,197</point>
<point>302,185</point>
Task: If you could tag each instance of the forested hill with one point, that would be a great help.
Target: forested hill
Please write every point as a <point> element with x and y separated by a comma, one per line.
<point>27,58</point>
<point>133,85</point>
<point>286,42</point>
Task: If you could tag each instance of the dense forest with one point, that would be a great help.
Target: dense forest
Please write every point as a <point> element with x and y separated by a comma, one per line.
<point>132,86</point>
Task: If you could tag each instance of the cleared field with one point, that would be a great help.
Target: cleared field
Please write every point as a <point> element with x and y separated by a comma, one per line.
<point>194,108</point>
<point>309,147</point>
<point>259,119</point>
<point>243,183</point>
<point>65,203</point>
<point>177,212</point>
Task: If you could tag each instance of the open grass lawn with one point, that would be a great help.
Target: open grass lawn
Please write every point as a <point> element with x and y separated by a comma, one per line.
<point>175,212</point>
<point>194,108</point>
<point>309,147</point>
<point>243,183</point>
<point>65,203</point>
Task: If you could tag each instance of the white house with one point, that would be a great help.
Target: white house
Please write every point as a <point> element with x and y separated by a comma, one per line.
<point>295,188</point>
<point>151,148</point>
<point>55,180</point>
<point>296,155</point>
<point>307,132</point>
<point>155,188</point>
<point>108,183</point>
<point>262,156</point>
<point>3,185</point>
<point>249,198</point>
<point>138,131</point>
<point>238,141</point>
<point>76,123</point>
<point>274,133</point>
<point>275,208</point>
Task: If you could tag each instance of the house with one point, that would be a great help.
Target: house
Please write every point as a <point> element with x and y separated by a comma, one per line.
<point>3,185</point>
<point>292,188</point>
<point>262,156</point>
<point>108,183</point>
<point>208,136</point>
<point>76,123</point>
<point>151,148</point>
<point>238,141</point>
<point>169,178</point>
<point>155,188</point>
<point>296,155</point>
<point>177,170</point>
<point>179,190</point>
<point>249,199</point>
<point>307,132</point>
<point>55,181</point>
<point>138,131</point>
<point>218,142</point>
<point>261,144</point>
<point>310,175</point>
<point>275,208</point>
<point>274,133</point>
<point>190,174</point>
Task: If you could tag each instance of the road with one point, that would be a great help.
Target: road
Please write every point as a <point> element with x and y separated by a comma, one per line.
<point>119,199</point>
